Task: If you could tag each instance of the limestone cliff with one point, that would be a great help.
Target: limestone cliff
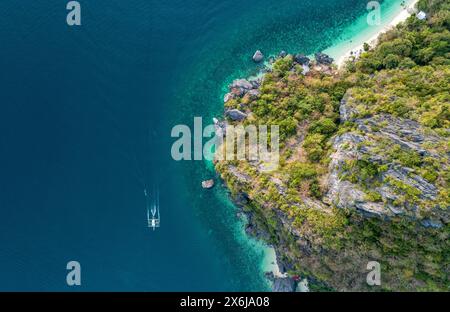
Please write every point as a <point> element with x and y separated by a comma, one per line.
<point>364,167</point>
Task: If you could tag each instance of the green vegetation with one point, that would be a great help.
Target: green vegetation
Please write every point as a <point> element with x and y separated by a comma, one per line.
<point>408,76</point>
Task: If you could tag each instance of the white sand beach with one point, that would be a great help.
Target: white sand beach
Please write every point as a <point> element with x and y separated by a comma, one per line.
<point>270,262</point>
<point>345,49</point>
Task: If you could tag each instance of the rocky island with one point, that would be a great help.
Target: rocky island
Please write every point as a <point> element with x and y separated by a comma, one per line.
<point>364,161</point>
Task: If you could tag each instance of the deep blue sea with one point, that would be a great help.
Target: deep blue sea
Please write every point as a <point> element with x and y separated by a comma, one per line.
<point>85,120</point>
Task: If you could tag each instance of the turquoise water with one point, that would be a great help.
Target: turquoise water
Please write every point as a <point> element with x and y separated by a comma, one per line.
<point>85,124</point>
<point>358,31</point>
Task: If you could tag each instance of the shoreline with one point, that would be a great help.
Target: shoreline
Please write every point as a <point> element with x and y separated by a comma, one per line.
<point>358,48</point>
<point>341,53</point>
<point>270,263</point>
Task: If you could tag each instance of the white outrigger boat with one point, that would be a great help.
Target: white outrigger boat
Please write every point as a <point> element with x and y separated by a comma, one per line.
<point>153,220</point>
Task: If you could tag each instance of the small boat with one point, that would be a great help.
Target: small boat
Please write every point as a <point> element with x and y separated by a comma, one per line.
<point>153,217</point>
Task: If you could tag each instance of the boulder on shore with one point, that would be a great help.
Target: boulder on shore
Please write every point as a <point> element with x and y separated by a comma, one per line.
<point>282,54</point>
<point>258,56</point>
<point>256,82</point>
<point>322,58</point>
<point>228,97</point>
<point>302,59</point>
<point>242,84</point>
<point>208,184</point>
<point>236,115</point>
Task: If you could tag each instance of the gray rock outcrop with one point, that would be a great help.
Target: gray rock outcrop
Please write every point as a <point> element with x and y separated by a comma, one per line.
<point>398,189</point>
<point>258,56</point>
<point>207,184</point>
<point>322,58</point>
<point>284,284</point>
<point>302,59</point>
<point>236,115</point>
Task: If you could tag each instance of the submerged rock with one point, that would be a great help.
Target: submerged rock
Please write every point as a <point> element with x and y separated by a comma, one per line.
<point>258,56</point>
